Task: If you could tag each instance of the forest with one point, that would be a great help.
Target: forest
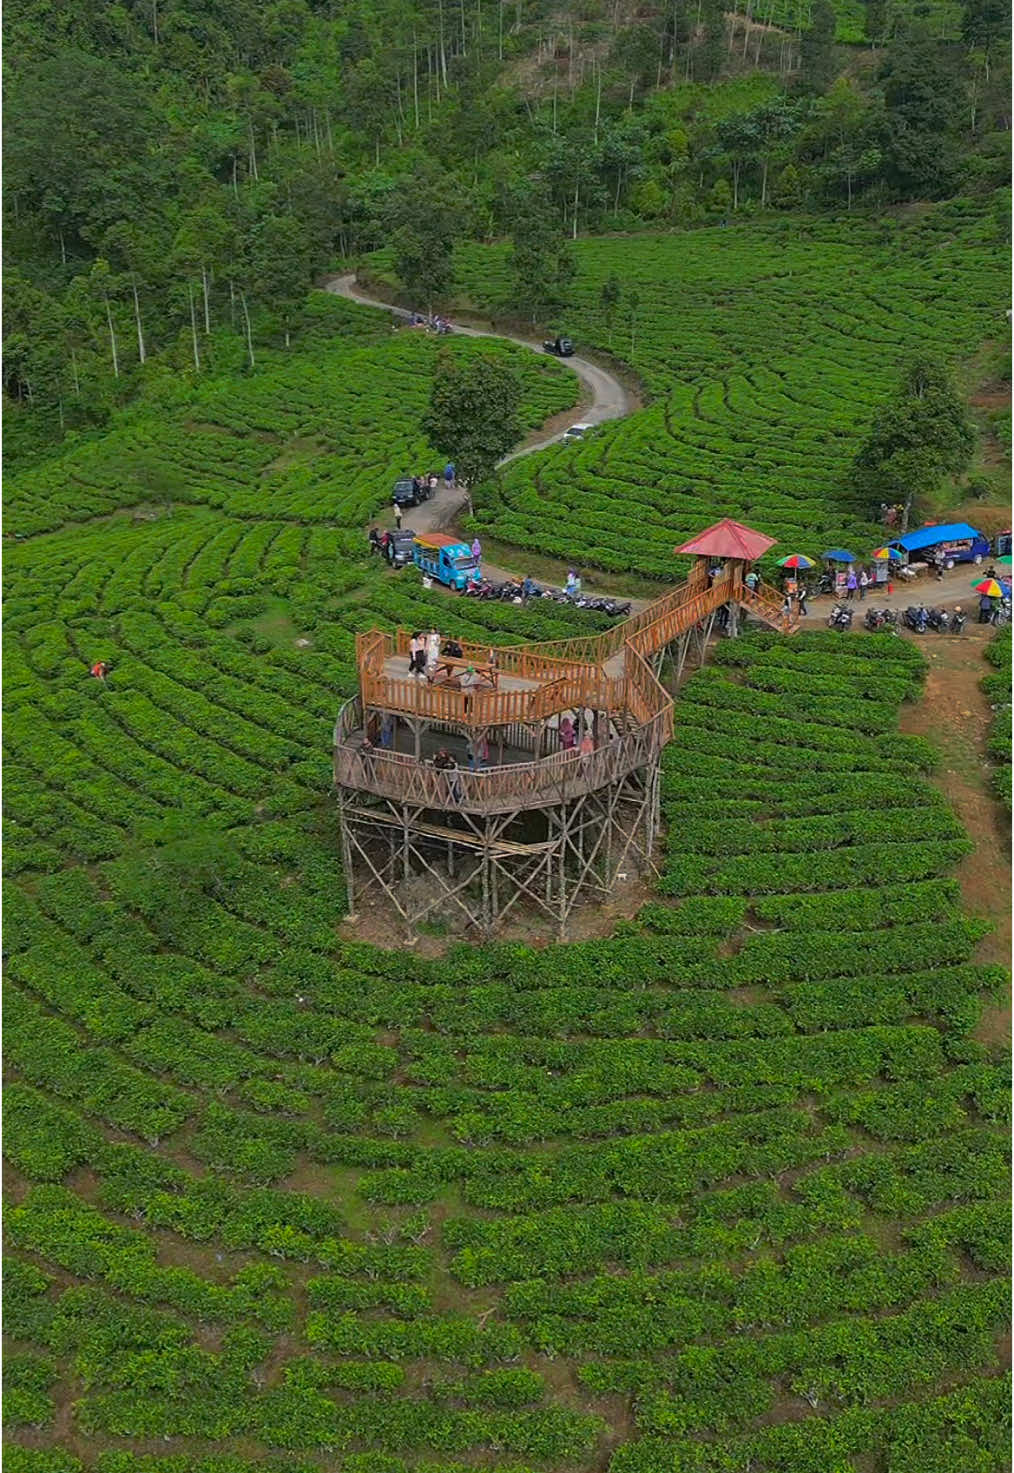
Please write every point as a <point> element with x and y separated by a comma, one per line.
<point>177,176</point>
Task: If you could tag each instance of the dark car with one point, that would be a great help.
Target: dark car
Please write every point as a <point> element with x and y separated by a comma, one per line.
<point>399,547</point>
<point>562,347</point>
<point>405,494</point>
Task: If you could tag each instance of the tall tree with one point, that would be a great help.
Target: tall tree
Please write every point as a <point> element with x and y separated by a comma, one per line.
<point>427,218</point>
<point>923,102</point>
<point>540,261</point>
<point>916,440</point>
<point>817,65</point>
<point>473,415</point>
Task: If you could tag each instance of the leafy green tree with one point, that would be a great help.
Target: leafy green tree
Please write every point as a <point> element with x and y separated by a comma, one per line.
<point>78,145</point>
<point>917,439</point>
<point>923,103</point>
<point>986,26</point>
<point>540,262</point>
<point>473,415</point>
<point>816,49</point>
<point>280,267</point>
<point>427,218</point>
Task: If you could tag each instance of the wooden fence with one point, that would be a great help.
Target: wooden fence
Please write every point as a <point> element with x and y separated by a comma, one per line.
<point>539,784</point>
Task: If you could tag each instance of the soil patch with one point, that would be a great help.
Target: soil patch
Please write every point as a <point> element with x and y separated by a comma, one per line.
<point>955,715</point>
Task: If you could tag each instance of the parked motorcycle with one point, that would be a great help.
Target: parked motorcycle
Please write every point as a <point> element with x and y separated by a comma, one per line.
<point>938,620</point>
<point>824,584</point>
<point>958,620</point>
<point>840,618</point>
<point>916,618</point>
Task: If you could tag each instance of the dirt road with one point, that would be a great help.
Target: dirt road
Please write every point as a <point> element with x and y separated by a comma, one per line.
<point>606,398</point>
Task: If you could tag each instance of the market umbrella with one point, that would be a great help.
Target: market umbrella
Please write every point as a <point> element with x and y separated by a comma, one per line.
<point>795,560</point>
<point>838,555</point>
<point>893,554</point>
<point>992,588</point>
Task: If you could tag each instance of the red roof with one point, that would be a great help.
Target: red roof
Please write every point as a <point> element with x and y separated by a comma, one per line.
<point>728,539</point>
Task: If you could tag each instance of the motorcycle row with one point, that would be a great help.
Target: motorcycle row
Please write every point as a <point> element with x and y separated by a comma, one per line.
<point>511,592</point>
<point>917,618</point>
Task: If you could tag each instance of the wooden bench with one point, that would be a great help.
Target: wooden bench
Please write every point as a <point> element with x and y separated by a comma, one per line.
<point>448,671</point>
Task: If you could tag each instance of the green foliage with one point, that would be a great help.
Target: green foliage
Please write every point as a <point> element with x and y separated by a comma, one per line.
<point>917,439</point>
<point>473,415</point>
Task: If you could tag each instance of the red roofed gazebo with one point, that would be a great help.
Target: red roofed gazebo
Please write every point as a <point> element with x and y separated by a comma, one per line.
<point>733,546</point>
<point>728,539</point>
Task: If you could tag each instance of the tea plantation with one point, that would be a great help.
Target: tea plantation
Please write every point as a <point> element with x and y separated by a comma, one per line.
<point>726,1191</point>
<point>766,347</point>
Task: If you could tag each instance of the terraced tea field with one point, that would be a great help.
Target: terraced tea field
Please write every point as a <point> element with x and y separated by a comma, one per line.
<point>767,348</point>
<point>318,436</point>
<point>725,1191</point>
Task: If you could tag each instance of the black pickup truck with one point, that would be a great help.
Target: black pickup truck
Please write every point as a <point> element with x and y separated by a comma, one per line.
<point>562,347</point>
<point>406,494</point>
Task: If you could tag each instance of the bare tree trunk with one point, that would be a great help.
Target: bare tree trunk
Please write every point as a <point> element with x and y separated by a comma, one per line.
<point>137,319</point>
<point>249,335</point>
<point>112,338</point>
<point>73,371</point>
<point>193,327</point>
<point>232,302</point>
<point>207,308</point>
<point>154,21</point>
<point>577,192</point>
<point>63,249</point>
<point>499,34</point>
<point>764,184</point>
<point>443,53</point>
<point>235,179</point>
<point>327,126</point>
<point>253,151</point>
<point>598,101</point>
<point>735,185</point>
<point>415,81</point>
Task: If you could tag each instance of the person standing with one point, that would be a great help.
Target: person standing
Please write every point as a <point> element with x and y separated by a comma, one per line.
<point>751,580</point>
<point>397,515</point>
<point>374,536</point>
<point>568,737</point>
<point>801,596</point>
<point>851,584</point>
<point>476,548</point>
<point>432,652</point>
<point>864,583</point>
<point>413,655</point>
<point>449,474</point>
<point>985,609</point>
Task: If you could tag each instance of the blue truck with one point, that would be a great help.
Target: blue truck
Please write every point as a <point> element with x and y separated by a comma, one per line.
<point>949,543</point>
<point>447,560</point>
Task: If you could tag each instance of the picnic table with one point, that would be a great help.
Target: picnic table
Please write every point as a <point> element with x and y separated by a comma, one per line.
<point>449,670</point>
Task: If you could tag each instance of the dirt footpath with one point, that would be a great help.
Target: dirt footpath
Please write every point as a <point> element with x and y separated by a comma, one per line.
<point>955,715</point>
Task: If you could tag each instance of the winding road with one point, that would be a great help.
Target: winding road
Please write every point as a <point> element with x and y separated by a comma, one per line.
<point>609,399</point>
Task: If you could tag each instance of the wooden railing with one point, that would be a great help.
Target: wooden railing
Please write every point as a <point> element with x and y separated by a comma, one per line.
<point>567,675</point>
<point>549,780</point>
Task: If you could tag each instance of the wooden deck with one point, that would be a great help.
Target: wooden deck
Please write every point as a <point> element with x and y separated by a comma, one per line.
<point>608,673</point>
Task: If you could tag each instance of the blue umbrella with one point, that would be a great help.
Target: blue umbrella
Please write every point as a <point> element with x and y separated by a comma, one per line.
<point>838,555</point>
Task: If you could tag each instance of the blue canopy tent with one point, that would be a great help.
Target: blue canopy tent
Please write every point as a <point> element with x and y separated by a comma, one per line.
<point>953,542</point>
<point>838,555</point>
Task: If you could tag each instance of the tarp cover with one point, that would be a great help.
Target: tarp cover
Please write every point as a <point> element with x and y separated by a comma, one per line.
<point>728,539</point>
<point>930,536</point>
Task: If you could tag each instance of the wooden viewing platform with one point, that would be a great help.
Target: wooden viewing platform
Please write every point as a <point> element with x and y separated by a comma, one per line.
<point>537,819</point>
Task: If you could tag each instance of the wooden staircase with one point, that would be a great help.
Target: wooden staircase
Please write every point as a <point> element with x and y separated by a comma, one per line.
<point>768,604</point>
